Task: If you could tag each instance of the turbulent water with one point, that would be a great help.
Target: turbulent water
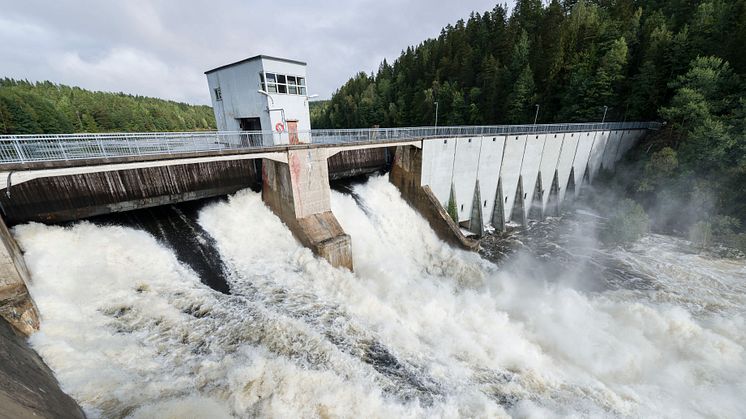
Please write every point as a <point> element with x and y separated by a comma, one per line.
<point>419,330</point>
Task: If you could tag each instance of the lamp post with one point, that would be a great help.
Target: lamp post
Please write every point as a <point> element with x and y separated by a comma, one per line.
<point>311,97</point>
<point>536,117</point>
<point>307,98</point>
<point>436,116</point>
<point>606,108</point>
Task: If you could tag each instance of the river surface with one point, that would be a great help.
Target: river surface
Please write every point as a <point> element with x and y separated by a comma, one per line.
<point>231,317</point>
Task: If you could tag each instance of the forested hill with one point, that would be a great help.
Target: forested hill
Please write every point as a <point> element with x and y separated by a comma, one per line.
<point>571,57</point>
<point>45,107</point>
<point>679,61</point>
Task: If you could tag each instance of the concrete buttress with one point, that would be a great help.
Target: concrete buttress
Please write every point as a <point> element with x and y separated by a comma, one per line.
<point>406,175</point>
<point>298,192</point>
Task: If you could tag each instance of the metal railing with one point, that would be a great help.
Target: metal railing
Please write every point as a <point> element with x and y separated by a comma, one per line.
<point>60,147</point>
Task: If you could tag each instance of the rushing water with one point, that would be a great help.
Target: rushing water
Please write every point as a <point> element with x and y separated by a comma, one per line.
<point>419,330</point>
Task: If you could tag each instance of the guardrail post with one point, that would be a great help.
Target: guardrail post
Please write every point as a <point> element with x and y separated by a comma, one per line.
<point>100,145</point>
<point>62,149</point>
<point>18,150</point>
<point>129,143</point>
<point>137,147</point>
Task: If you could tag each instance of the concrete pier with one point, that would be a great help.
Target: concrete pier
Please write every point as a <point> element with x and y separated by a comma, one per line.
<point>298,192</point>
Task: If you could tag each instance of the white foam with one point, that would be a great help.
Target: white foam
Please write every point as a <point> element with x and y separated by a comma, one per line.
<point>292,340</point>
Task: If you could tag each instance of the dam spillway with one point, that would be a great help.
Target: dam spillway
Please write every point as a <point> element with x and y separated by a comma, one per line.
<point>421,328</point>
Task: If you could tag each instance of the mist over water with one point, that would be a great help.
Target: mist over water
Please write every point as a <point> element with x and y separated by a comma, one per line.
<point>419,330</point>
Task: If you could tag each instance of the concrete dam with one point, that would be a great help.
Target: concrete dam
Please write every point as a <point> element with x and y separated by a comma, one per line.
<point>491,176</point>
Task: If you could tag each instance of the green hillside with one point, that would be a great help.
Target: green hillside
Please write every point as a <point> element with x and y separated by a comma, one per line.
<point>45,107</point>
<point>678,61</point>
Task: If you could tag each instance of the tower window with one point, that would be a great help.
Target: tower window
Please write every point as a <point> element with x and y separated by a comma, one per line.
<point>218,94</point>
<point>282,83</point>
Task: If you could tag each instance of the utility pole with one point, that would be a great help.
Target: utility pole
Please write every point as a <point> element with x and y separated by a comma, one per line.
<point>436,116</point>
<point>606,108</point>
<point>536,117</point>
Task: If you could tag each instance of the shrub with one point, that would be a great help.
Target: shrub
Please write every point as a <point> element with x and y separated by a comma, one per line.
<point>452,208</point>
<point>627,223</point>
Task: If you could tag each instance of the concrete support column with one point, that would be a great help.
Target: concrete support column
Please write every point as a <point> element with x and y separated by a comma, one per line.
<point>16,305</point>
<point>298,192</point>
<point>406,175</point>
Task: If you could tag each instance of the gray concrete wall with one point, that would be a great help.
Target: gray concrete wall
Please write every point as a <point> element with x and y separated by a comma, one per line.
<point>71,197</point>
<point>16,305</point>
<point>525,166</point>
<point>28,388</point>
<point>358,162</point>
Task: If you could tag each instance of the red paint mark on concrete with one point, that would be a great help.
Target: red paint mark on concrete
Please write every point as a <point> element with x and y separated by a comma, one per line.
<point>294,166</point>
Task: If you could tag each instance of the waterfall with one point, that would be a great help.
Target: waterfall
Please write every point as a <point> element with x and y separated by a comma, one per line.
<point>214,310</point>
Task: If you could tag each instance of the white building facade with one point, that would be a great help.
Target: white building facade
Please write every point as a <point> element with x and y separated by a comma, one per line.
<point>262,93</point>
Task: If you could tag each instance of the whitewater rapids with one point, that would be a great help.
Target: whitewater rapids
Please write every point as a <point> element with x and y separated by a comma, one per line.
<point>419,330</point>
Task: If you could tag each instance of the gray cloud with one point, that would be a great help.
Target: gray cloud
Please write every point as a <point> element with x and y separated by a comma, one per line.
<point>162,47</point>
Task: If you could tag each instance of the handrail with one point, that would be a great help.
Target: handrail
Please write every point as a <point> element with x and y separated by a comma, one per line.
<point>61,147</point>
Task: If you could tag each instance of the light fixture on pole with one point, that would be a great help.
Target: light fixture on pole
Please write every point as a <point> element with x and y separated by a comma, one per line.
<point>311,97</point>
<point>436,116</point>
<point>606,108</point>
<point>536,117</point>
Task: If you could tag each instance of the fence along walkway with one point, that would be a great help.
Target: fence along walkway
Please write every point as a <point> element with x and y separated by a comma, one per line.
<point>61,147</point>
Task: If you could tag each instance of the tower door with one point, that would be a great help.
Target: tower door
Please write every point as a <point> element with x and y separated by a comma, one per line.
<point>293,131</point>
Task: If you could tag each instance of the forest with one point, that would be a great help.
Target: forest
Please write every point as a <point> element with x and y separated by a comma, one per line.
<point>49,108</point>
<point>681,62</point>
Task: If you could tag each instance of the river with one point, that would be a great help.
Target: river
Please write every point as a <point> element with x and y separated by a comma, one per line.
<point>233,318</point>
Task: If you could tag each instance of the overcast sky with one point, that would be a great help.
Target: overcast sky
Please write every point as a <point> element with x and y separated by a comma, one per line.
<point>162,48</point>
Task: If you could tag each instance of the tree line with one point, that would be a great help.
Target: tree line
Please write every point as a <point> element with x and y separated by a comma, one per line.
<point>677,61</point>
<point>49,108</point>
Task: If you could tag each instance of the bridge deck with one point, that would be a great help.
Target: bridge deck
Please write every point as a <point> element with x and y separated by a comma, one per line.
<point>24,152</point>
